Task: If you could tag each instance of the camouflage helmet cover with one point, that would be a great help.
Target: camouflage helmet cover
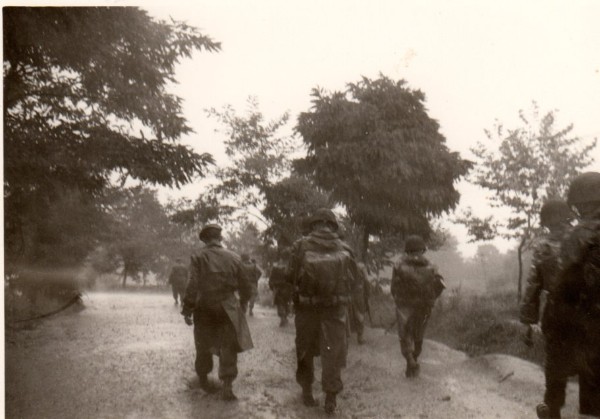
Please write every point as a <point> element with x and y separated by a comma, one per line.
<point>554,211</point>
<point>324,214</point>
<point>584,188</point>
<point>414,243</point>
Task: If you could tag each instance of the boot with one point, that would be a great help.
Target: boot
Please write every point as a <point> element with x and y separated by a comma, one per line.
<point>227,393</point>
<point>411,367</point>
<point>546,412</point>
<point>330,403</point>
<point>307,396</point>
<point>208,385</point>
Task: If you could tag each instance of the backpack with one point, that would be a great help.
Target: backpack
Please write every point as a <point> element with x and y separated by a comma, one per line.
<point>325,274</point>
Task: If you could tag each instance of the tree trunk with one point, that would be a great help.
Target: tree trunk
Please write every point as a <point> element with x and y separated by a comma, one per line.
<point>124,277</point>
<point>520,279</point>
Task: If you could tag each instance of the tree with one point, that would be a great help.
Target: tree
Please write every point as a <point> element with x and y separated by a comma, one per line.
<point>379,154</point>
<point>141,237</point>
<point>287,203</point>
<point>85,102</point>
<point>522,168</point>
<point>259,155</point>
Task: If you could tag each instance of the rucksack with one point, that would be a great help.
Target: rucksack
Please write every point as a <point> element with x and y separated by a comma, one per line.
<point>325,274</point>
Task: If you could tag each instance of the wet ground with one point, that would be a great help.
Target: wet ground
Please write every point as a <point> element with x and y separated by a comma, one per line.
<point>131,356</point>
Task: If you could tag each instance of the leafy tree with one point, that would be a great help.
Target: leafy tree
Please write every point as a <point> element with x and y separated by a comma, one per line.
<point>245,239</point>
<point>259,155</point>
<point>85,102</point>
<point>287,203</point>
<point>141,238</point>
<point>522,168</point>
<point>378,153</point>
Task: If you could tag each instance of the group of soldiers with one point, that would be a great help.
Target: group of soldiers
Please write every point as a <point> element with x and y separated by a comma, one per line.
<point>566,268</point>
<point>322,278</point>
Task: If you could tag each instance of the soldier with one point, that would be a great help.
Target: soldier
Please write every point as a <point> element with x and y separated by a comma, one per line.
<point>281,287</point>
<point>360,304</point>
<point>220,326</point>
<point>324,273</point>
<point>253,274</point>
<point>572,318</point>
<point>556,216</point>
<point>416,285</point>
<point>178,279</point>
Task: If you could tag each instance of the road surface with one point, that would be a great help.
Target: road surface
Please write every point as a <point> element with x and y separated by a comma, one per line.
<point>131,356</point>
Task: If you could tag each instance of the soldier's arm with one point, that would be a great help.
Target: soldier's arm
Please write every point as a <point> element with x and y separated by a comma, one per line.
<point>530,307</point>
<point>439,285</point>
<point>191,289</point>
<point>395,283</point>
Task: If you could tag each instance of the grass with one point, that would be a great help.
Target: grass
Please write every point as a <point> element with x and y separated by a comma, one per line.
<point>475,324</point>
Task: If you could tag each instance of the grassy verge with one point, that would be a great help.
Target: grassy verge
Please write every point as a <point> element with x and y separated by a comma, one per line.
<point>475,324</point>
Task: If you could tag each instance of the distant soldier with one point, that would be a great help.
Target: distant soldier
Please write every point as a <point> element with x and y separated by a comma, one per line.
<point>360,303</point>
<point>572,318</point>
<point>324,274</point>
<point>220,326</point>
<point>253,273</point>
<point>178,279</point>
<point>281,287</point>
<point>416,285</point>
<point>556,216</point>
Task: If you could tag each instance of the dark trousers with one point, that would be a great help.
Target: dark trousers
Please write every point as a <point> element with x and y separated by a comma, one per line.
<point>562,361</point>
<point>282,302</point>
<point>321,331</point>
<point>214,334</point>
<point>412,321</point>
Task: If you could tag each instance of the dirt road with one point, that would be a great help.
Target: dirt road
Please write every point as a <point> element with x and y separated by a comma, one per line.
<point>131,356</point>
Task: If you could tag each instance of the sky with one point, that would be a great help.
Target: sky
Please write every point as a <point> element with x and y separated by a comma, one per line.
<point>476,61</point>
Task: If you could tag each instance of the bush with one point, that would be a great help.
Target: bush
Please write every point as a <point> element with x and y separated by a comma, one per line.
<point>482,324</point>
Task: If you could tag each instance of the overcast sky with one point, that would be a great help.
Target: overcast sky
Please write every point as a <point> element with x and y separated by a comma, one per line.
<point>475,60</point>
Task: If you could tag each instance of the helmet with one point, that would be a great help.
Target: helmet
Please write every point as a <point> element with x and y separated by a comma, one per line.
<point>326,215</point>
<point>584,188</point>
<point>414,243</point>
<point>208,231</point>
<point>554,211</point>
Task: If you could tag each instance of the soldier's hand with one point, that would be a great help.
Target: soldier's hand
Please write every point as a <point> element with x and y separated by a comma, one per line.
<point>188,320</point>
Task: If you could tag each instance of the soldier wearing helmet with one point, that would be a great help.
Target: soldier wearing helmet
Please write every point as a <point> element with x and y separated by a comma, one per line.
<point>220,327</point>
<point>253,273</point>
<point>416,285</point>
<point>323,272</point>
<point>556,217</point>
<point>178,279</point>
<point>281,287</point>
<point>572,318</point>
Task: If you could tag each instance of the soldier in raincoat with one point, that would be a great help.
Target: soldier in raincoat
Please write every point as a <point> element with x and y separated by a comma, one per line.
<point>220,326</point>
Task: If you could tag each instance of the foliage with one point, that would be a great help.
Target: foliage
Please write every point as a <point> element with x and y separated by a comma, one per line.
<point>287,203</point>
<point>259,155</point>
<point>86,99</point>
<point>246,239</point>
<point>378,153</point>
<point>523,167</point>
<point>141,237</point>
